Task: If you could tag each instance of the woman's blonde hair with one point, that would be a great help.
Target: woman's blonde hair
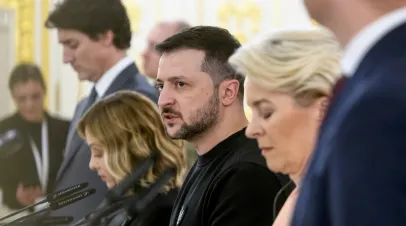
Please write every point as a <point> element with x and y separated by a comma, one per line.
<point>129,127</point>
<point>302,63</point>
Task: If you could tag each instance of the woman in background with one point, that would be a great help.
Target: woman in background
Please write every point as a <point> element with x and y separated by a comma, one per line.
<point>32,141</point>
<point>289,81</point>
<point>122,131</point>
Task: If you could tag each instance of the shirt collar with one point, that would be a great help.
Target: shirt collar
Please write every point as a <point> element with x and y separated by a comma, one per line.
<point>110,75</point>
<point>359,46</point>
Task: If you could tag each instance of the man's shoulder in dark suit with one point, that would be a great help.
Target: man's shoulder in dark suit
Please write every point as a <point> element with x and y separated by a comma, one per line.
<point>144,87</point>
<point>362,180</point>
<point>8,121</point>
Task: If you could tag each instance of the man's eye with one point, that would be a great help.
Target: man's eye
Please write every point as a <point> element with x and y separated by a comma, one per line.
<point>159,86</point>
<point>73,45</point>
<point>180,84</point>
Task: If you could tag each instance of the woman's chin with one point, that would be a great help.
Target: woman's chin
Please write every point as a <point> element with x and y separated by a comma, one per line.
<point>110,185</point>
<point>274,167</point>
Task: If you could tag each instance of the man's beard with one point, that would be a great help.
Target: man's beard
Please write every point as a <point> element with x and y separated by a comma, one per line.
<point>201,120</point>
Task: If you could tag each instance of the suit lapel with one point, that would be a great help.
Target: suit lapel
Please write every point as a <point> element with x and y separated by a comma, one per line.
<point>74,141</point>
<point>125,80</point>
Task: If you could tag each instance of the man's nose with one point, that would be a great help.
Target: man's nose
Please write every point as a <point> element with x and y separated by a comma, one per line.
<point>165,97</point>
<point>67,56</point>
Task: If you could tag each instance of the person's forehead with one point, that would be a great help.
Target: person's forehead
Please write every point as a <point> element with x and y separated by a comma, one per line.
<point>186,63</point>
<point>188,58</point>
<point>161,32</point>
<point>254,92</point>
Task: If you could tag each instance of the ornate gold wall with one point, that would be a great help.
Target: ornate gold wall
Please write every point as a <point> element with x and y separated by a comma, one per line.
<point>245,17</point>
<point>25,34</point>
<point>45,54</point>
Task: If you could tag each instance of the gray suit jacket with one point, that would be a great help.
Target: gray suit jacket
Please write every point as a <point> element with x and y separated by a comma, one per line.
<point>75,166</point>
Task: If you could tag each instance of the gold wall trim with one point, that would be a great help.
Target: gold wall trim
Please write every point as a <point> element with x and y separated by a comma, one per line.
<point>248,12</point>
<point>45,48</point>
<point>24,32</point>
<point>25,27</point>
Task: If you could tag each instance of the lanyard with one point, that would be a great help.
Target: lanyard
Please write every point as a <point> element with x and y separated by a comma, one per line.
<point>42,164</point>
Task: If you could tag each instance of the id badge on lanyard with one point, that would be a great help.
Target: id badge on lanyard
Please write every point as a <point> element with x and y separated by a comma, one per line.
<point>42,162</point>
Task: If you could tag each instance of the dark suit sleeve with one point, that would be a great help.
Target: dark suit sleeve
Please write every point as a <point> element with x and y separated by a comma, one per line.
<point>65,125</point>
<point>367,174</point>
<point>145,88</point>
<point>10,196</point>
<point>246,197</point>
<point>8,182</point>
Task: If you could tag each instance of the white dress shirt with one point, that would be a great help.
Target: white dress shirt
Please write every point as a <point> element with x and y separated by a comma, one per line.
<point>359,46</point>
<point>110,75</point>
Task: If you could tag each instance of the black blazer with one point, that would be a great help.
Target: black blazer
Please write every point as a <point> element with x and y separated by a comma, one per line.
<point>19,164</point>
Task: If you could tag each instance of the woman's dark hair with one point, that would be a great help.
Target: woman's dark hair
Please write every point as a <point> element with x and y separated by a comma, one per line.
<point>25,72</point>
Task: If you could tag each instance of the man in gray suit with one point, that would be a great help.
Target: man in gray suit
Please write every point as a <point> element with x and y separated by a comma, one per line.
<point>95,35</point>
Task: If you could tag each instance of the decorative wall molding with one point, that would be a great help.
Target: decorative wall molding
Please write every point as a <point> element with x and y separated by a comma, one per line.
<point>31,44</point>
<point>242,18</point>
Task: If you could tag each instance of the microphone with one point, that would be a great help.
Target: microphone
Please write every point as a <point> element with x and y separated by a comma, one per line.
<point>54,220</point>
<point>103,212</point>
<point>50,198</point>
<point>134,204</point>
<point>115,194</point>
<point>57,204</point>
<point>120,189</point>
<point>46,221</point>
<point>60,203</point>
<point>149,194</point>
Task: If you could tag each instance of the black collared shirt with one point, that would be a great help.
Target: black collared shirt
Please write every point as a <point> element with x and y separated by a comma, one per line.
<point>228,186</point>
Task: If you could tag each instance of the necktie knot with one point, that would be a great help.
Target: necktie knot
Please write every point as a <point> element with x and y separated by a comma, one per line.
<point>93,94</point>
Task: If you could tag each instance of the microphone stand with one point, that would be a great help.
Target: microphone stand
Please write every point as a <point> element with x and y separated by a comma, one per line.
<point>27,216</point>
<point>116,193</point>
<point>46,221</point>
<point>57,204</point>
<point>151,193</point>
<point>132,205</point>
<point>23,209</point>
<point>50,198</point>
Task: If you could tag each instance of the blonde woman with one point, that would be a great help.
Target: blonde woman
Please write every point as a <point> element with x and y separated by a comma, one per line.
<point>122,131</point>
<point>289,81</point>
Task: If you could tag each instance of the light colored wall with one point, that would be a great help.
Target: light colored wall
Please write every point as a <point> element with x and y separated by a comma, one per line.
<point>245,18</point>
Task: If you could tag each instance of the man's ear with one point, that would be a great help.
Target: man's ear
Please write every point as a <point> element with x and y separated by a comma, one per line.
<point>228,91</point>
<point>107,38</point>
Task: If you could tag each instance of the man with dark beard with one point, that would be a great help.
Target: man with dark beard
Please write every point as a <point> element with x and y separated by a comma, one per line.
<point>201,99</point>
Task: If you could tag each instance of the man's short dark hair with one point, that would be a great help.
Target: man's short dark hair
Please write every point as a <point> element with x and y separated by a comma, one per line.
<point>25,72</point>
<point>218,45</point>
<point>93,18</point>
